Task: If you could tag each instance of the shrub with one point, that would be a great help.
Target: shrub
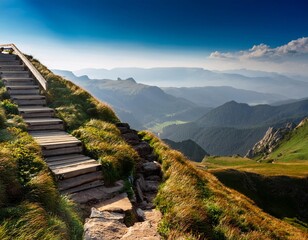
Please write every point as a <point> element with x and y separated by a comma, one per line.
<point>9,107</point>
<point>2,118</point>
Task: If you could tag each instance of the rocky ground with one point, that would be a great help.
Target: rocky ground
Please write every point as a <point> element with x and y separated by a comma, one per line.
<point>135,217</point>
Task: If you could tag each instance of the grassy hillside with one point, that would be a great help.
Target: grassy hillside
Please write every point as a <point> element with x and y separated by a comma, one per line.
<point>146,104</point>
<point>216,96</point>
<point>234,128</point>
<point>240,115</point>
<point>30,205</point>
<point>189,148</point>
<point>277,183</point>
<point>294,146</point>
<point>195,205</point>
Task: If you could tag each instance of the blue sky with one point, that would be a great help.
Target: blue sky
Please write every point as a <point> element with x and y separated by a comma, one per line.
<point>150,33</point>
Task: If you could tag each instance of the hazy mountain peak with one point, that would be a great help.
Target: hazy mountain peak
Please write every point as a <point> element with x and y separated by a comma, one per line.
<point>132,80</point>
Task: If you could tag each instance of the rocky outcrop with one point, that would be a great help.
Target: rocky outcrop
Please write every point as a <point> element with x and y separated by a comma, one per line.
<point>270,141</point>
<point>135,218</point>
<point>148,170</point>
<point>112,219</point>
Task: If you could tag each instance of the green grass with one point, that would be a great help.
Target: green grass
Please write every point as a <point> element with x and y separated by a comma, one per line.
<point>277,182</point>
<point>73,105</point>
<point>294,168</point>
<point>195,205</point>
<point>158,127</point>
<point>30,205</point>
<point>293,147</point>
<point>103,141</point>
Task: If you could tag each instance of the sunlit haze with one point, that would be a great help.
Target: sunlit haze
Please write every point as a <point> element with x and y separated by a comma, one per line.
<point>215,35</point>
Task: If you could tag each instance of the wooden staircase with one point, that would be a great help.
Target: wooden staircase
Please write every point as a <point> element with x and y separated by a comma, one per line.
<point>74,171</point>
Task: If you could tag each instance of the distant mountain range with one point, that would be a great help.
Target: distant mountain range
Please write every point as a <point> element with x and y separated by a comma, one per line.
<point>216,96</point>
<point>265,82</point>
<point>233,128</point>
<point>139,104</point>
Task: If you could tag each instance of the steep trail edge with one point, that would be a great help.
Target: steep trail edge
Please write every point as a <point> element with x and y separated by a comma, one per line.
<point>76,174</point>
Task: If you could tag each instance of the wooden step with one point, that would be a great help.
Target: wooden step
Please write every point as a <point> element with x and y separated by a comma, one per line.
<point>61,151</point>
<point>79,180</point>
<point>4,62</point>
<point>68,161</point>
<point>4,56</point>
<point>36,112</point>
<point>28,100</point>
<point>18,67</point>
<point>46,127</point>
<point>60,144</point>
<point>64,158</point>
<point>52,136</point>
<point>23,90</point>
<point>13,74</point>
<point>83,187</point>
<point>65,165</point>
<point>39,124</point>
<point>18,81</point>
<point>68,172</point>
<point>28,97</point>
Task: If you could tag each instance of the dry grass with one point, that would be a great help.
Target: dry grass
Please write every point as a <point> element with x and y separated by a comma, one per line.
<point>103,141</point>
<point>30,205</point>
<point>73,105</point>
<point>195,205</point>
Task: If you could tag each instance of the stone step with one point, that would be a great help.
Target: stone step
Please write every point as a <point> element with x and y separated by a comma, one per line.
<point>79,180</point>
<point>76,170</point>
<point>13,74</point>
<point>4,62</point>
<point>68,160</point>
<point>36,112</point>
<point>83,187</point>
<point>61,151</point>
<point>98,193</point>
<point>18,81</point>
<point>18,67</point>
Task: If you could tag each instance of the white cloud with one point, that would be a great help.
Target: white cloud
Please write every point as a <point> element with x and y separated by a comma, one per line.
<point>294,50</point>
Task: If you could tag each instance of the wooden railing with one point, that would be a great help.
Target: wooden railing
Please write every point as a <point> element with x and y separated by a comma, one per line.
<point>28,64</point>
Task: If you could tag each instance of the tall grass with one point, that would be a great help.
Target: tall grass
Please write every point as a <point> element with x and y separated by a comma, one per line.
<point>195,205</point>
<point>103,141</point>
<point>30,205</point>
<point>73,105</point>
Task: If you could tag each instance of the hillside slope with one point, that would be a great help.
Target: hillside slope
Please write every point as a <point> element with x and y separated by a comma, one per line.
<point>30,204</point>
<point>216,96</point>
<point>276,181</point>
<point>234,128</point>
<point>195,205</point>
<point>141,105</point>
<point>189,148</point>
<point>291,87</point>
